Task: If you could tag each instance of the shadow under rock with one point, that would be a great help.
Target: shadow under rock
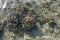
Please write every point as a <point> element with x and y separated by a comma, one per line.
<point>1,35</point>
<point>34,32</point>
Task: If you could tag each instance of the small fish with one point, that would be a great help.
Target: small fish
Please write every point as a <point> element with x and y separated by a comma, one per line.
<point>4,5</point>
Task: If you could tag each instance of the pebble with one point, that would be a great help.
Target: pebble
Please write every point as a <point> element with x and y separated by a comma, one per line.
<point>18,14</point>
